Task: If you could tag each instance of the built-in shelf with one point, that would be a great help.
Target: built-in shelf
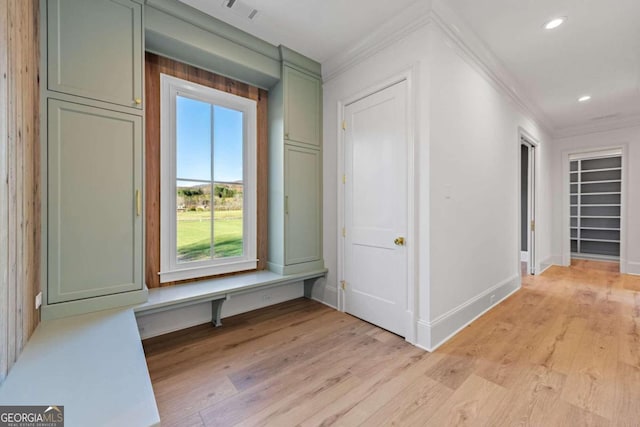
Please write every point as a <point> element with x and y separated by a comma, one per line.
<point>597,170</point>
<point>591,205</point>
<point>595,215</point>
<point>596,228</point>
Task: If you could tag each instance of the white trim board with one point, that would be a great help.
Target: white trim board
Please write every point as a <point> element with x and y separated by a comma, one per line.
<point>633,268</point>
<point>438,331</point>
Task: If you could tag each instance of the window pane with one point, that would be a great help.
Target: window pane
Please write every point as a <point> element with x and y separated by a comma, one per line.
<point>193,139</point>
<point>228,177</point>
<point>193,226</point>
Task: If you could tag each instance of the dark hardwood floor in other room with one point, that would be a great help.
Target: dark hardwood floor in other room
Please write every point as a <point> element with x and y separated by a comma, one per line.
<point>564,351</point>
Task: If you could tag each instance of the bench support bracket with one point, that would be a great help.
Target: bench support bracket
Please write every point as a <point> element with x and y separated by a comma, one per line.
<point>216,311</point>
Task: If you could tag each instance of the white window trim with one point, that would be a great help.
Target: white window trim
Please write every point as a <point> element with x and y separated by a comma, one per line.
<point>170,269</point>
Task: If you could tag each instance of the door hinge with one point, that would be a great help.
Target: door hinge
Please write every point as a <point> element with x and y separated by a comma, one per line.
<point>344,178</point>
<point>533,226</point>
<point>344,125</point>
<point>344,232</point>
<point>343,285</point>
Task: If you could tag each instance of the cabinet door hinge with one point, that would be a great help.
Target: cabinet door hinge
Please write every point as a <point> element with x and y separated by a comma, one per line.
<point>344,179</point>
<point>344,125</point>
<point>533,226</point>
<point>343,285</point>
<point>344,232</point>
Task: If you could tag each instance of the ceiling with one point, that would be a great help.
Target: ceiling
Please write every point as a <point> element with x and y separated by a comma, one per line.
<point>318,29</point>
<point>596,52</point>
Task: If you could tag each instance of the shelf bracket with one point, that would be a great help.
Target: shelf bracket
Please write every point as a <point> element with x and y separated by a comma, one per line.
<point>216,311</point>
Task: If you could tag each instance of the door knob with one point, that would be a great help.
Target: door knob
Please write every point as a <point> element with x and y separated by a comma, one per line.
<point>399,241</point>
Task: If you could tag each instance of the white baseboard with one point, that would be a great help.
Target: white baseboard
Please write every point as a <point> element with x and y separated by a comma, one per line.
<point>324,293</point>
<point>633,268</point>
<point>548,262</point>
<point>168,321</point>
<point>328,296</point>
<point>524,256</point>
<point>423,335</point>
<point>435,333</point>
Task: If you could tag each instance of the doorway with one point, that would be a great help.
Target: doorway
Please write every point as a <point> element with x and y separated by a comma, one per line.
<point>527,206</point>
<point>375,269</point>
<point>595,205</point>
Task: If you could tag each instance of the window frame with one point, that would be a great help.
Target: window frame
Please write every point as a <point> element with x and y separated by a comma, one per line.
<point>170,269</point>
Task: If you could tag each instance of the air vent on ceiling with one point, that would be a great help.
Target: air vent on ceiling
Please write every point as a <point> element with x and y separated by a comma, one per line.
<point>606,117</point>
<point>240,9</point>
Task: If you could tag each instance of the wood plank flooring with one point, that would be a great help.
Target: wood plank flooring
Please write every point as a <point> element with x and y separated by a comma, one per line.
<point>564,351</point>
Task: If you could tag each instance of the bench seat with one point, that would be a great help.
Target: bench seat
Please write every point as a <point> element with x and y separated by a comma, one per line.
<point>218,290</point>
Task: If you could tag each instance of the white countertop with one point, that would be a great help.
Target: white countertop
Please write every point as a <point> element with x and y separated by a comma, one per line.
<point>92,364</point>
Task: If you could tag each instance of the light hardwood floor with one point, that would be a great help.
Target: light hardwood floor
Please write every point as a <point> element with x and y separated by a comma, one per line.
<point>564,351</point>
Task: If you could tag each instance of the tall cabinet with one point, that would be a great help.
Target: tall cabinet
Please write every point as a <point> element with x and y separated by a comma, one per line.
<point>295,172</point>
<point>93,134</point>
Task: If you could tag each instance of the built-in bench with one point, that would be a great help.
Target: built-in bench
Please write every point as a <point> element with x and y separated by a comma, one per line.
<point>219,290</point>
<point>94,365</point>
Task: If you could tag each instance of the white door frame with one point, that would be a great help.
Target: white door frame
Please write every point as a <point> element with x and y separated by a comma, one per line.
<point>525,138</point>
<point>566,213</point>
<point>412,234</point>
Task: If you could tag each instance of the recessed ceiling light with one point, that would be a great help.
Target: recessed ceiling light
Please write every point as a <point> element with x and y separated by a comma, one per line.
<point>555,23</point>
<point>584,98</point>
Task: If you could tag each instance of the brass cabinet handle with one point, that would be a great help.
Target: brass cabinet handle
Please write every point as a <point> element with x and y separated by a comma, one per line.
<point>138,203</point>
<point>138,101</point>
<point>399,241</point>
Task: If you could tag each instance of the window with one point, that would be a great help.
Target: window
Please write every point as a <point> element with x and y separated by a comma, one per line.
<point>208,181</point>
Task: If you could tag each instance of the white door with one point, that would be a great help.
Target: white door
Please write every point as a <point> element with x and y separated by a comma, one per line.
<point>375,264</point>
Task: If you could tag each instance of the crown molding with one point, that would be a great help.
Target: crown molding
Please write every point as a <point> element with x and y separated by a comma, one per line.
<point>470,47</point>
<point>600,126</point>
<point>406,22</point>
<point>479,55</point>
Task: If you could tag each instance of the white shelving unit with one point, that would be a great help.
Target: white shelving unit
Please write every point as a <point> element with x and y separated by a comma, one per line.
<point>595,206</point>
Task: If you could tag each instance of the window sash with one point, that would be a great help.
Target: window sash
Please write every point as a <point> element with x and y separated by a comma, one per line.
<point>171,270</point>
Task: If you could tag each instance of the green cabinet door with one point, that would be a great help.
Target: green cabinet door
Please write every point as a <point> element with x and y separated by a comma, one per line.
<point>302,101</point>
<point>95,49</point>
<point>94,203</point>
<point>303,204</point>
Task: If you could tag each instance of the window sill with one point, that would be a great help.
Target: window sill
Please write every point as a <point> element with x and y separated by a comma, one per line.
<point>209,270</point>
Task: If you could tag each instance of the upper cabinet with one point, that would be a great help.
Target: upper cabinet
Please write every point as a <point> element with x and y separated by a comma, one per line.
<point>95,50</point>
<point>302,103</point>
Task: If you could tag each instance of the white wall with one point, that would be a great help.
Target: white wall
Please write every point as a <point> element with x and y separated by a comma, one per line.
<point>475,194</point>
<point>468,179</point>
<point>628,138</point>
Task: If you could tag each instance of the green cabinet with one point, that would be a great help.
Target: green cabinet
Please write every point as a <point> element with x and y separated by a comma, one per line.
<point>95,50</point>
<point>295,170</point>
<point>303,204</point>
<point>93,142</point>
<point>94,210</point>
<point>302,105</point>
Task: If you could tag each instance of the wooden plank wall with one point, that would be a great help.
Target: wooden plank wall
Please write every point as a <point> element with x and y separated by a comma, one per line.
<point>154,66</point>
<point>20,177</point>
